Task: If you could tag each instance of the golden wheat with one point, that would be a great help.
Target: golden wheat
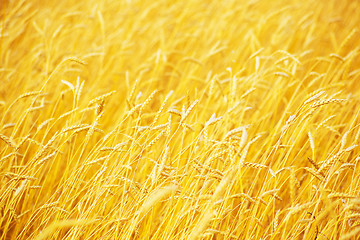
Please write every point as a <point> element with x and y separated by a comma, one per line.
<point>179,119</point>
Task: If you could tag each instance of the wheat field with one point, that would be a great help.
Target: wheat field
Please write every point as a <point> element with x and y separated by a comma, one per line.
<point>191,119</point>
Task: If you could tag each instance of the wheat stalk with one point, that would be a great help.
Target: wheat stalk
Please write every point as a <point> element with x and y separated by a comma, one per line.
<point>7,140</point>
<point>101,98</point>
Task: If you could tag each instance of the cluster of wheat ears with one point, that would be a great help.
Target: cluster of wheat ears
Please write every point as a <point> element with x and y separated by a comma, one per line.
<point>195,119</point>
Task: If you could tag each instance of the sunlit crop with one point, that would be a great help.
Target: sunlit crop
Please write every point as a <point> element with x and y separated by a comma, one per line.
<point>182,119</point>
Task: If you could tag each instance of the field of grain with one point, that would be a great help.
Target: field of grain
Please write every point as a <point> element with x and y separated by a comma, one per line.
<point>142,119</point>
